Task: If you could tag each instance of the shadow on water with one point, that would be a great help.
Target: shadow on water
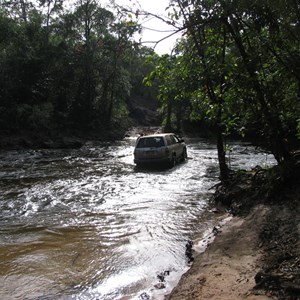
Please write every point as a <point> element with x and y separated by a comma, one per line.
<point>157,168</point>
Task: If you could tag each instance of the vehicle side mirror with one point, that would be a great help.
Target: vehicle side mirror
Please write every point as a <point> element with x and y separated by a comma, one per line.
<point>181,140</point>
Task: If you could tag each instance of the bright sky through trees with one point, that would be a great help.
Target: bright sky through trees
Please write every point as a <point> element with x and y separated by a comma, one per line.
<point>154,29</point>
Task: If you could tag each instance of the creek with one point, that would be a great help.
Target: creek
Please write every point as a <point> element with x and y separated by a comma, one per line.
<point>87,224</point>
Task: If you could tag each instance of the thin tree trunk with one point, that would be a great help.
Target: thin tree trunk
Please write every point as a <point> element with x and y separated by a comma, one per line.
<point>224,170</point>
<point>168,126</point>
<point>24,13</point>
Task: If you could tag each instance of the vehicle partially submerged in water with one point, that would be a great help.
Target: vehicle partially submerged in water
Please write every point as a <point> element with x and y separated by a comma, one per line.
<point>162,148</point>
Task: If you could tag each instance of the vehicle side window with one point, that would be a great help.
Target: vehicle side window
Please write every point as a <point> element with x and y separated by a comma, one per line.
<point>176,138</point>
<point>173,139</point>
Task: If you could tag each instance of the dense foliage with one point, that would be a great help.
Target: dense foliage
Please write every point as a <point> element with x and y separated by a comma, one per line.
<point>237,66</point>
<point>67,68</point>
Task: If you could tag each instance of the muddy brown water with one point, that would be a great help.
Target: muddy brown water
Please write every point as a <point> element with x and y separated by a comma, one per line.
<point>87,224</point>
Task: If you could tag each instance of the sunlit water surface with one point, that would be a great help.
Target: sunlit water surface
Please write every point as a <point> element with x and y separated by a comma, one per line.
<point>86,224</point>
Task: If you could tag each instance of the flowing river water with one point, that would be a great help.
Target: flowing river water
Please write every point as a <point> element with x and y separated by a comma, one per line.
<point>87,224</point>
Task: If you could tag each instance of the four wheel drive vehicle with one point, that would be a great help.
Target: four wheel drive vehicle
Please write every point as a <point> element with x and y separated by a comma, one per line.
<point>159,148</point>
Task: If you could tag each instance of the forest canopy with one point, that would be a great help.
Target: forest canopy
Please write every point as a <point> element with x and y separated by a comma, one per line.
<point>68,68</point>
<point>236,68</point>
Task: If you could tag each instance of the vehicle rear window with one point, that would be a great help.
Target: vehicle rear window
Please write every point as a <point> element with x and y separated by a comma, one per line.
<point>150,142</point>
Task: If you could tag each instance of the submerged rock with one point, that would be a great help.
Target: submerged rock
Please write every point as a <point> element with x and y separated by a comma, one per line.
<point>189,251</point>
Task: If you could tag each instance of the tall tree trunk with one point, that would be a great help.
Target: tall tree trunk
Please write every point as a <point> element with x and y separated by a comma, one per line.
<point>224,170</point>
<point>198,41</point>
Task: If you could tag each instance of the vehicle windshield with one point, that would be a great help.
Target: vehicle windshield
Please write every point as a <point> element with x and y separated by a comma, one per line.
<point>149,142</point>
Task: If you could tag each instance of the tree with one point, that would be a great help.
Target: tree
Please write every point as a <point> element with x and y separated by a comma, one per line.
<point>244,69</point>
<point>64,70</point>
<point>252,35</point>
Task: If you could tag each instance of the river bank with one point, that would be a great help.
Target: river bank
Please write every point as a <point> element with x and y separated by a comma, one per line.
<point>53,140</point>
<point>257,254</point>
<point>25,139</point>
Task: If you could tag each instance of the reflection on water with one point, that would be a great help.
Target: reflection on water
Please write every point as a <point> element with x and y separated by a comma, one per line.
<point>87,224</point>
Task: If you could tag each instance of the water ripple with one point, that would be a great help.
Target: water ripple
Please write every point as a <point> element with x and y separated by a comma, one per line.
<point>86,224</point>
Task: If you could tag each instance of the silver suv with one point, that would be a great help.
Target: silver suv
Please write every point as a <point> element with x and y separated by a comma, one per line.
<point>159,148</point>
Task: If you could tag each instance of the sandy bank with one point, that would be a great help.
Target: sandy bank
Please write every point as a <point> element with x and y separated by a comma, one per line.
<point>226,270</point>
<point>257,254</point>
